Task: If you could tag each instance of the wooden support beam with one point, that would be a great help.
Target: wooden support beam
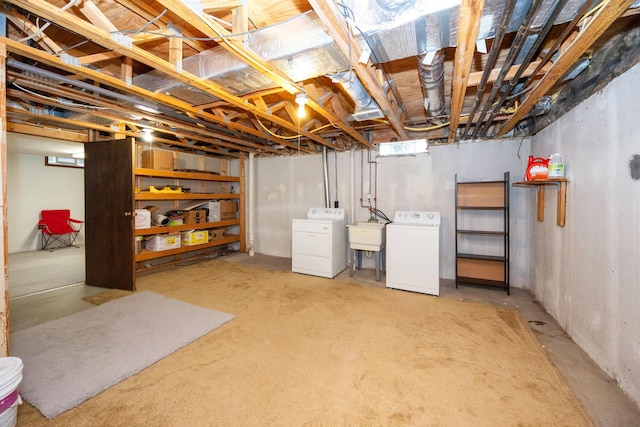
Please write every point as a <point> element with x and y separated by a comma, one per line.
<point>470,14</point>
<point>4,286</point>
<point>175,51</point>
<point>126,69</point>
<point>48,132</point>
<point>213,6</point>
<point>96,17</point>
<point>240,21</point>
<point>583,41</point>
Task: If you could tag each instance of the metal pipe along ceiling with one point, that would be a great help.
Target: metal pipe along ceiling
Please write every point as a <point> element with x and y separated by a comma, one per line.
<point>432,79</point>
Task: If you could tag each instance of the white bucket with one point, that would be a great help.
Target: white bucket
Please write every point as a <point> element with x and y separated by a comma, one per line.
<point>10,378</point>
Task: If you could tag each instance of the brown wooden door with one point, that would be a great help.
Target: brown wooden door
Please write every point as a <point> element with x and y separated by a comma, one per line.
<point>109,202</point>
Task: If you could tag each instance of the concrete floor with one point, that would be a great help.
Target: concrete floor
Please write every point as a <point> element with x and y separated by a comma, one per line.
<point>599,394</point>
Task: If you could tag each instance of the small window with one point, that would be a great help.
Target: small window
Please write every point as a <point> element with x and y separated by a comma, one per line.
<point>66,162</point>
<point>404,148</point>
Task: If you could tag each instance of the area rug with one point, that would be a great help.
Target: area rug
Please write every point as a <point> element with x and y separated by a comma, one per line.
<point>69,360</point>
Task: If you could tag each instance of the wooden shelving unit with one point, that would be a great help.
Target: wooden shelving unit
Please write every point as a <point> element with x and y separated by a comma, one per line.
<point>474,200</point>
<point>115,185</point>
<point>539,185</point>
<point>146,259</point>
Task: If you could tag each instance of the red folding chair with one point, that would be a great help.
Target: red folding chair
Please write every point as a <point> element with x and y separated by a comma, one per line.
<point>58,226</point>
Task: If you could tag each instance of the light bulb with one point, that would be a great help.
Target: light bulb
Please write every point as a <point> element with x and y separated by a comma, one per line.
<point>301,100</point>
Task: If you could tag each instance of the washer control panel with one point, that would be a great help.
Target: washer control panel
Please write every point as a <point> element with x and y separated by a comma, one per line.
<point>426,218</point>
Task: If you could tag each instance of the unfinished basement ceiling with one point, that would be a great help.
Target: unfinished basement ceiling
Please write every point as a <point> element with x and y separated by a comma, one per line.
<point>223,76</point>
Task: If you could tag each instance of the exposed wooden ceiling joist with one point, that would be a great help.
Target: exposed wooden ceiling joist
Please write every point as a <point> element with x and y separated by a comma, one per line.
<point>470,14</point>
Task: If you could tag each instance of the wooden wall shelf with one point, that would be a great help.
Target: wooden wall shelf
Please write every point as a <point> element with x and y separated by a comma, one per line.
<point>540,184</point>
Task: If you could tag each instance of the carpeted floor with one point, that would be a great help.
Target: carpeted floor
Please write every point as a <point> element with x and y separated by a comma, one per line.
<point>305,350</point>
<point>61,267</point>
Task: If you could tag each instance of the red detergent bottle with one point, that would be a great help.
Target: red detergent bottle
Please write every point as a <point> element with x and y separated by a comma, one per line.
<point>538,168</point>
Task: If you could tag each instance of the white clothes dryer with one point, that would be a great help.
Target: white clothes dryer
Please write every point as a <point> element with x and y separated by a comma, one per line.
<point>319,242</point>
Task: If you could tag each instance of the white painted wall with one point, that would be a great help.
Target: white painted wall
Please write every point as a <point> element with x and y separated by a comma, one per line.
<point>587,273</point>
<point>287,187</point>
<point>32,187</point>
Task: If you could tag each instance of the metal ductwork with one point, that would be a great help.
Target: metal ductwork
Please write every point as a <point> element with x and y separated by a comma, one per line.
<point>366,107</point>
<point>432,80</point>
<point>301,48</point>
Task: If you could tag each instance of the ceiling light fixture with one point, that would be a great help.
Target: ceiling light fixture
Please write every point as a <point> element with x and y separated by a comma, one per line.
<point>301,100</point>
<point>147,135</point>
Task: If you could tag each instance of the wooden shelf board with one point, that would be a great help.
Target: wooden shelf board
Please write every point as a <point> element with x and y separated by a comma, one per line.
<point>148,255</point>
<point>199,176</point>
<point>184,196</point>
<point>492,258</point>
<point>185,227</point>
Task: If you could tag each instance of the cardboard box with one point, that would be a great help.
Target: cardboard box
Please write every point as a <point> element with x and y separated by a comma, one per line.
<point>195,216</point>
<point>143,218</point>
<point>163,242</point>
<point>228,209</point>
<point>217,234</point>
<point>222,209</point>
<point>157,159</point>
<point>190,238</point>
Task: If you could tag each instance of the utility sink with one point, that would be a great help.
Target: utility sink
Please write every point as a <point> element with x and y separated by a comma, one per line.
<point>367,236</point>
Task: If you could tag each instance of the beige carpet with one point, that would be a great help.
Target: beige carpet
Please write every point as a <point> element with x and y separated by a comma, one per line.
<point>305,350</point>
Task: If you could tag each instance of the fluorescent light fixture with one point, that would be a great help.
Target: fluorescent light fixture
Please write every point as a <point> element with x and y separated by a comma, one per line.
<point>301,100</point>
<point>78,155</point>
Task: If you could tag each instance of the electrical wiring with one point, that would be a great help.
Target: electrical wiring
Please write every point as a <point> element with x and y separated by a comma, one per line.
<point>415,129</point>
<point>149,23</point>
<point>275,134</point>
<point>591,12</point>
<point>60,101</point>
<point>434,127</point>
<point>45,26</point>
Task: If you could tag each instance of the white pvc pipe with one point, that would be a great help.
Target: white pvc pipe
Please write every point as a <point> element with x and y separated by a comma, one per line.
<point>352,156</point>
<point>252,238</point>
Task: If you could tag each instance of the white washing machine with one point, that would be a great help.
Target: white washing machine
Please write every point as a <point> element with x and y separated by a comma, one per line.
<point>319,242</point>
<point>413,252</point>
